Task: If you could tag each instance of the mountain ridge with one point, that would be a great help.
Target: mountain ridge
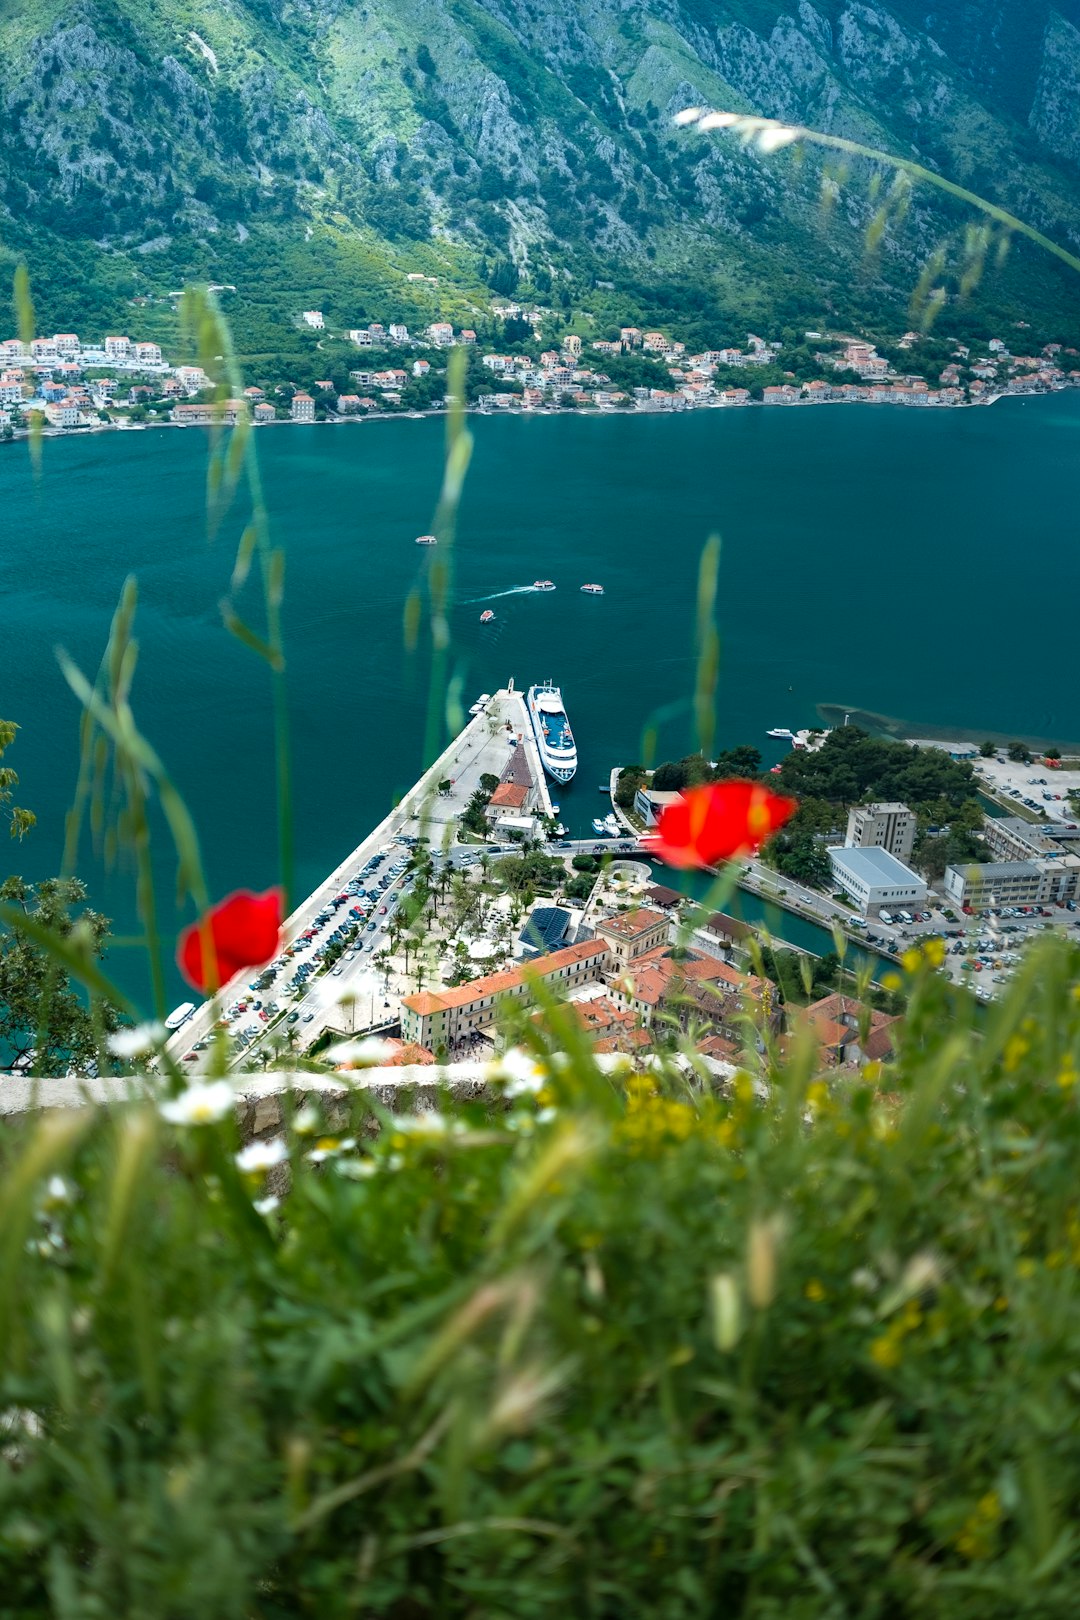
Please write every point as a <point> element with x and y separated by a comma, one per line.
<point>319,150</point>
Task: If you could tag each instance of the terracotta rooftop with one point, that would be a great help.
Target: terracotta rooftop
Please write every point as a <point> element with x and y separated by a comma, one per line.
<point>509,796</point>
<point>632,924</point>
<point>432,1001</point>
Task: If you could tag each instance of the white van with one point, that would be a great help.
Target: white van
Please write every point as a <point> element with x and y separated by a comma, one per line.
<point>905,916</point>
<point>180,1015</point>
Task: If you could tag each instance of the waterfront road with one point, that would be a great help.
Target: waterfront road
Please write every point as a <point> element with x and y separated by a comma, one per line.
<point>481,747</point>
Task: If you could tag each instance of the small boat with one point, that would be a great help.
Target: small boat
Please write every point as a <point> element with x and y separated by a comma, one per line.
<point>782,733</point>
<point>543,585</point>
<point>426,540</point>
<point>487,616</point>
<point>598,827</point>
<point>605,787</point>
<point>613,825</point>
<point>593,590</point>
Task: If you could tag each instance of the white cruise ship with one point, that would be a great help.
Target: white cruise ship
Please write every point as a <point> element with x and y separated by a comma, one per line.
<point>554,739</point>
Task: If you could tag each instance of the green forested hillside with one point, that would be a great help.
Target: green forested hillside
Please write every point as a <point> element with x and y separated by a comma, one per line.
<point>315,153</point>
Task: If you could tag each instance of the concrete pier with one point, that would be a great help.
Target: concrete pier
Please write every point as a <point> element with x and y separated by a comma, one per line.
<point>481,748</point>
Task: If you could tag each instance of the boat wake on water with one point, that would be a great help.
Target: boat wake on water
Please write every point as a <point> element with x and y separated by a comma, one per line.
<point>514,590</point>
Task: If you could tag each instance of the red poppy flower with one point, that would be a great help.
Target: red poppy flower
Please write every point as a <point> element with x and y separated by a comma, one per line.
<point>244,930</point>
<point>719,822</point>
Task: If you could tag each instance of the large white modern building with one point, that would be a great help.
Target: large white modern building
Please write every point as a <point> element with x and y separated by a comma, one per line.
<point>872,878</point>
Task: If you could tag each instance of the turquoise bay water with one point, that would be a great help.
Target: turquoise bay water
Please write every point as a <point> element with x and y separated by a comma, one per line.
<point>921,564</point>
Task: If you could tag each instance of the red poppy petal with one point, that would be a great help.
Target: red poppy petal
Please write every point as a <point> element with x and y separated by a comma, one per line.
<point>246,926</point>
<point>244,932</point>
<point>719,822</point>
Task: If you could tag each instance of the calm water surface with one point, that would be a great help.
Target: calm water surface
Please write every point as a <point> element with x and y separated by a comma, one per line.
<point>921,564</point>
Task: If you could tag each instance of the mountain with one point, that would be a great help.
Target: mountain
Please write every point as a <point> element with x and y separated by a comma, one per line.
<point>314,152</point>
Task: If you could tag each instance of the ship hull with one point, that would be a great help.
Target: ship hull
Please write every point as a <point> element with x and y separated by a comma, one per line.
<point>551,728</point>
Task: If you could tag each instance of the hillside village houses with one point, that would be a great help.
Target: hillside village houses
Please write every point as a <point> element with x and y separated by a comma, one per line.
<point>49,375</point>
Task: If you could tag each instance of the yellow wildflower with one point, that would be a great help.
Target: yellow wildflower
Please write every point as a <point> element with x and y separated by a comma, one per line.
<point>817,1095</point>
<point>911,961</point>
<point>815,1290</point>
<point>885,1349</point>
<point>891,981</point>
<point>744,1087</point>
<point>1067,1076</point>
<point>1016,1048</point>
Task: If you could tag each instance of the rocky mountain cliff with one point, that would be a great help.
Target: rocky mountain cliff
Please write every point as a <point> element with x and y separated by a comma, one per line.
<point>318,150</point>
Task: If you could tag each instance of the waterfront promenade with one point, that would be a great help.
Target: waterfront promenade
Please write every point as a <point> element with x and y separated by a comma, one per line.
<point>481,748</point>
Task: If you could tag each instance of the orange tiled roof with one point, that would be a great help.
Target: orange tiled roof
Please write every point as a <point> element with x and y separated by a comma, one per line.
<point>632,923</point>
<point>510,796</point>
<point>432,1001</point>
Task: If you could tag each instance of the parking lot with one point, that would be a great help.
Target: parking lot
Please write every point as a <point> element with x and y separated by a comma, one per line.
<point>1037,787</point>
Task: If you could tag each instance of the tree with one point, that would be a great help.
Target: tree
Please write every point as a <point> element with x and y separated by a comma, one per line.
<point>488,782</point>
<point>987,749</point>
<point>631,777</point>
<point>1052,753</point>
<point>1020,753</point>
<point>20,821</point>
<point>38,1008</point>
<point>445,786</point>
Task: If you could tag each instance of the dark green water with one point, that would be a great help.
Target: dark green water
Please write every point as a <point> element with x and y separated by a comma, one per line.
<point>912,563</point>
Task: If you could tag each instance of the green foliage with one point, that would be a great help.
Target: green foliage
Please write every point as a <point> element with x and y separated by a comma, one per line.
<point>39,1010</point>
<point>693,769</point>
<point>1020,753</point>
<point>529,872</point>
<point>631,778</point>
<point>496,1367</point>
<point>852,766</point>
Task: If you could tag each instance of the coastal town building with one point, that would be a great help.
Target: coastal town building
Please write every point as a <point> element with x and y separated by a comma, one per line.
<point>650,803</point>
<point>882,826</point>
<point>1009,838</point>
<point>848,1031</point>
<point>314,319</point>
<point>872,878</point>
<point>633,933</point>
<point>302,408</point>
<point>225,413</point>
<point>981,884</point>
<point>440,1019</point>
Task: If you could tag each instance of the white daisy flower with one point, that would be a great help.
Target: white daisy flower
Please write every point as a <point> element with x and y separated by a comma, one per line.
<point>266,1206</point>
<point>137,1042</point>
<point>306,1120</point>
<point>428,1123</point>
<point>57,1192</point>
<point>261,1156</point>
<point>356,1169</point>
<point>329,1147</point>
<point>522,1073</point>
<point>200,1104</point>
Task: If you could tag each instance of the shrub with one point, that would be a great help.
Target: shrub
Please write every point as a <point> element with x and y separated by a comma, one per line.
<point>696,1352</point>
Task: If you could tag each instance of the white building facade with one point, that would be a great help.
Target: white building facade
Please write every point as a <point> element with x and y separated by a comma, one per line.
<point>872,878</point>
